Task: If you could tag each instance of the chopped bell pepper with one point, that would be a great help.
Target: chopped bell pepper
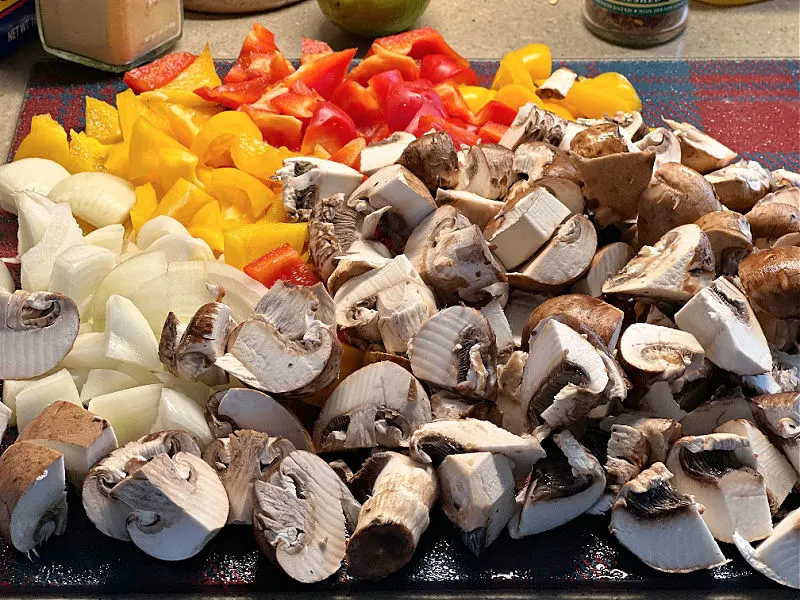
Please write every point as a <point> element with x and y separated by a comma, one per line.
<point>185,122</point>
<point>515,96</point>
<point>512,70</point>
<point>437,68</point>
<point>220,132</point>
<point>47,139</point>
<point>176,163</point>
<point>381,84</point>
<point>300,101</point>
<point>454,103</point>
<point>382,62</point>
<point>102,121</point>
<point>182,201</point>
<point>281,264</point>
<point>476,97</point>
<point>144,207</point>
<point>461,135</point>
<point>258,158</point>
<point>558,109</point>
<point>330,127</point>
<point>277,130</point>
<point>87,153</point>
<point>350,153</point>
<point>417,44</point>
<point>606,93</point>
<point>491,133</point>
<point>359,102</point>
<point>407,98</point>
<point>537,60</point>
<point>324,74</point>
<point>259,196</point>
<point>233,95</point>
<point>259,57</point>
<point>313,49</point>
<point>146,144</point>
<point>206,224</point>
<point>201,73</point>
<point>234,215</point>
<point>497,112</point>
<point>117,161</point>
<point>158,73</point>
<point>248,242</point>
<point>130,107</point>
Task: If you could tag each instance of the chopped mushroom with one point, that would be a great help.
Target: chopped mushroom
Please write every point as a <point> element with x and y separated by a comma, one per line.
<point>378,405</point>
<point>298,518</point>
<point>447,405</point>
<point>456,349</point>
<point>776,557</point>
<point>779,414</point>
<point>600,317</point>
<point>306,178</point>
<point>537,160</point>
<point>563,486</point>
<point>740,185</point>
<point>501,328</point>
<point>784,178</point>
<point>433,159</point>
<point>515,417</point>
<point>716,411</point>
<point>479,210</point>
<point>477,492</point>
<point>730,238</point>
<point>631,123</point>
<point>33,504</point>
<point>487,171</point>
<point>663,527</point>
<point>557,85</point>
<point>700,151</point>
<point>384,152</point>
<point>607,262</point>
<point>566,191</point>
<point>535,124</point>
<point>81,437</point>
<point>679,265</point>
<point>665,144</point>
<point>719,471</point>
<point>772,281</point>
<point>654,353</point>
<point>38,330</point>
<point>397,512</point>
<point>599,140</point>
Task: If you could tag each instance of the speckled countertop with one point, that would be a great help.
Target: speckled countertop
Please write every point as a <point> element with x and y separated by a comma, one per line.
<point>477,29</point>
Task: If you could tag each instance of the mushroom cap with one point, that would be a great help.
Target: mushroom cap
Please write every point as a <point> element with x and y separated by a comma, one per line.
<point>730,238</point>
<point>479,210</point>
<point>700,151</point>
<point>664,143</point>
<point>601,317</point>
<point>779,413</point>
<point>38,330</point>
<point>770,221</point>
<point>740,185</point>
<point>202,342</point>
<point>433,159</point>
<point>771,279</point>
<point>607,261</point>
<point>659,352</point>
<point>677,195</point>
<point>776,557</point>
<point>487,171</point>
<point>599,140</point>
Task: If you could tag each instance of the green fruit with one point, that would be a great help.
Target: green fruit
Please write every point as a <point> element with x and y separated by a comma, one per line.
<point>373,18</point>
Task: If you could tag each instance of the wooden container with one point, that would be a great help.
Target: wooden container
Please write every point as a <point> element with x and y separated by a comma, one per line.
<point>235,6</point>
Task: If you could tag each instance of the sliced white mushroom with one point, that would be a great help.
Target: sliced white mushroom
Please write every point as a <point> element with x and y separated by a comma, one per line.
<point>524,226</point>
<point>659,401</point>
<point>536,160</point>
<point>385,152</point>
<point>675,269</point>
<point>607,262</point>
<point>557,85</point>
<point>779,414</point>
<point>397,512</point>
<point>518,309</point>
<point>34,498</point>
<point>479,210</point>
<point>700,151</point>
<point>515,416</point>
<point>660,433</point>
<point>487,171</point>
<point>447,405</point>
<point>562,486</point>
<point>433,159</point>
<point>721,319</point>
<point>477,492</point>
<point>771,280</point>
<point>719,471</point>
<point>740,185</point>
<point>535,124</point>
<point>501,328</point>
<point>655,353</point>
<point>306,178</point>
<point>456,349</point>
<point>716,411</point>
<point>730,238</point>
<point>663,527</point>
<point>777,556</point>
<point>566,190</point>
<point>663,141</point>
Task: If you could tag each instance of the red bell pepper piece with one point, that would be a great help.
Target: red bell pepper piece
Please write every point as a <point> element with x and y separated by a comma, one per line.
<point>384,61</point>
<point>313,49</point>
<point>377,133</point>
<point>330,127</point>
<point>417,44</point>
<point>282,264</point>
<point>491,133</point>
<point>454,103</point>
<point>158,73</point>
<point>406,99</point>
<point>427,110</point>
<point>259,57</point>
<point>324,74</point>
<point>278,130</point>
<point>440,67</point>
<point>358,102</point>
<point>381,83</point>
<point>299,101</point>
<point>350,153</point>
<point>233,95</point>
<point>461,135</point>
<point>496,112</point>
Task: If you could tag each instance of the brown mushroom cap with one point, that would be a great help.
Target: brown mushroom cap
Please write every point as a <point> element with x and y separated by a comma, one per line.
<point>599,140</point>
<point>602,318</point>
<point>433,159</point>
<point>677,196</point>
<point>772,281</point>
<point>730,238</point>
<point>769,221</point>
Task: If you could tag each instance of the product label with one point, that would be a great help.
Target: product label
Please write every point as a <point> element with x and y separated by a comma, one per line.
<point>642,8</point>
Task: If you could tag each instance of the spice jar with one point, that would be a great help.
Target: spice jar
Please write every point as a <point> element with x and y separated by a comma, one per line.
<point>113,35</point>
<point>636,22</point>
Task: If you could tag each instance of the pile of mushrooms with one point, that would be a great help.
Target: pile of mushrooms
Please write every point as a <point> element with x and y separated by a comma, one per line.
<point>586,318</point>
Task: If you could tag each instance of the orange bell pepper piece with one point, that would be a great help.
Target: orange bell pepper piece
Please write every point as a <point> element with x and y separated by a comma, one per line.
<point>512,70</point>
<point>350,153</point>
<point>382,61</point>
<point>245,244</point>
<point>515,95</point>
<point>278,130</point>
<point>258,158</point>
<point>605,94</point>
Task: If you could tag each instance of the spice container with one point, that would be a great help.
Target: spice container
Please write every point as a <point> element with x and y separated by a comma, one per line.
<point>636,22</point>
<point>113,35</point>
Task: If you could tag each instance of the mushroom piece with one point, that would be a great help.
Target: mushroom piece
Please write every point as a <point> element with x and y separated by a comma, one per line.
<point>479,210</point>
<point>557,85</point>
<point>632,124</point>
<point>721,319</point>
<point>452,256</point>
<point>306,178</point>
<point>566,191</point>
<point>679,265</point>
<point>563,485</point>
<point>677,195</point>
<point>564,376</point>
<point>771,280</point>
<point>730,238</point>
<point>34,498</point>
<point>107,511</point>
<point>607,262</point>
<point>177,505</point>
<point>710,415</point>
<point>38,330</point>
<point>776,557</point>
<point>779,475</point>
<point>290,344</point>
<point>771,221</point>
<point>242,408</point>
<point>784,195</point>
<point>663,527</point>
<point>654,353</point>
<point>353,265</point>
<point>502,329</point>
<point>779,414</point>
<point>524,226</point>
<point>385,305</point>
<point>719,471</point>
<point>434,441</point>
<point>664,143</point>
<point>539,160</point>
<point>456,349</point>
<point>397,512</point>
<point>535,124</point>
<point>518,309</point>
<point>379,405</point>
<point>487,171</point>
<point>784,178</point>
<point>433,159</point>
<point>515,417</point>
<point>562,260</point>
<point>298,519</point>
<point>384,152</point>
<point>740,185</point>
<point>600,317</point>
<point>477,496</point>
<point>700,151</point>
<point>599,140</point>
<point>448,406</point>
<point>72,431</point>
<point>239,460</point>
<point>660,433</point>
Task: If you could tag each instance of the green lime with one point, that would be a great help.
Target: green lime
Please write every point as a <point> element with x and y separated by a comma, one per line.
<point>373,18</point>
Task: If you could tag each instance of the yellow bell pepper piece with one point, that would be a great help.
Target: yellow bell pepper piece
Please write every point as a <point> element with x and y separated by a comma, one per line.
<point>130,108</point>
<point>144,207</point>
<point>558,109</point>
<point>184,121</point>
<point>515,95</point>
<point>117,161</point>
<point>206,224</point>
<point>352,359</point>
<point>87,153</point>
<point>174,164</point>
<point>257,158</point>
<point>146,144</point>
<point>275,213</point>
<point>245,244</point>
<point>606,93</point>
<point>182,201</point>
<point>220,133</point>
<point>102,121</point>
<point>476,97</point>
<point>512,70</point>
<point>199,74</point>
<point>47,139</point>
<point>537,60</point>
<point>259,196</point>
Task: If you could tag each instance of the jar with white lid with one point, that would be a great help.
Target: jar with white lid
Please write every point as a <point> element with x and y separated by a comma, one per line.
<point>113,35</point>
